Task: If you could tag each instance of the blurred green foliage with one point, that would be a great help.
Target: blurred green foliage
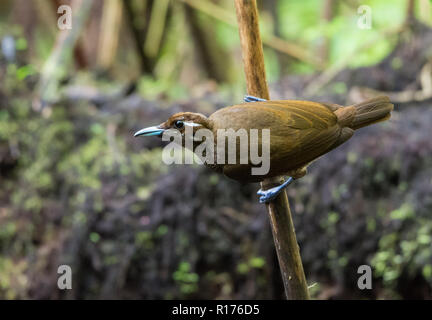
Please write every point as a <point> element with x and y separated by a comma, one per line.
<point>404,252</point>
<point>179,67</point>
<point>61,161</point>
<point>186,279</point>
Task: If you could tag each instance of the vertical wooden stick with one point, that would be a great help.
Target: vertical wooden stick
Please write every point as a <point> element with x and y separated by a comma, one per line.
<point>109,33</point>
<point>279,211</point>
<point>327,13</point>
<point>410,12</point>
<point>156,27</point>
<point>55,66</point>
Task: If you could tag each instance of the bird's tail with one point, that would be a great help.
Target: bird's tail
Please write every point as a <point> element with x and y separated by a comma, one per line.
<point>371,111</point>
<point>365,113</point>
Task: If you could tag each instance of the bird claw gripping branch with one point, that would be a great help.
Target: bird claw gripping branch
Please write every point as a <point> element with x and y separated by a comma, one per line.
<point>299,133</point>
<point>269,194</point>
<point>253,99</point>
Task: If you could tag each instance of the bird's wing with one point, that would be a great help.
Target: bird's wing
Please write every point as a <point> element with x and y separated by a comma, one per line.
<point>304,114</point>
<point>278,114</point>
<point>300,131</point>
<point>312,131</point>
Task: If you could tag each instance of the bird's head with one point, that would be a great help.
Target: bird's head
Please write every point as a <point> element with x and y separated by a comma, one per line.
<point>178,121</point>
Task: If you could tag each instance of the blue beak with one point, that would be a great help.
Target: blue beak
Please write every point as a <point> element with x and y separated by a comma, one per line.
<point>150,131</point>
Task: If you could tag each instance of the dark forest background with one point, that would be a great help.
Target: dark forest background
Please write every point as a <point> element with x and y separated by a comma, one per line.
<point>76,188</point>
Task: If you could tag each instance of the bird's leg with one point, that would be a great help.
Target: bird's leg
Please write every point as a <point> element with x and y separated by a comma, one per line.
<point>270,194</point>
<point>253,99</point>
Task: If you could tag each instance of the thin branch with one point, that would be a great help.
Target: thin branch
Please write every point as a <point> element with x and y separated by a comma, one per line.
<point>279,211</point>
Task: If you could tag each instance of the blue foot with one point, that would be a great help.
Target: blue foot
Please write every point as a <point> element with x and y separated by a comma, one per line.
<point>270,194</point>
<point>253,99</point>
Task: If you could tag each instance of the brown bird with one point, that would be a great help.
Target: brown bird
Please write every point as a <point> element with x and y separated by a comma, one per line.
<point>300,132</point>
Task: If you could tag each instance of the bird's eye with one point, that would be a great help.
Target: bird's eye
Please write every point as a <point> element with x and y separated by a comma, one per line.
<point>179,124</point>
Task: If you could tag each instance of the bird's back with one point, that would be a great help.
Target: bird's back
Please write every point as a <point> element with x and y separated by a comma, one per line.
<point>300,131</point>
<point>278,115</point>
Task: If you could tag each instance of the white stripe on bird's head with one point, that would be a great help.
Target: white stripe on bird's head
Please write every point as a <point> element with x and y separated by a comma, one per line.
<point>191,124</point>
